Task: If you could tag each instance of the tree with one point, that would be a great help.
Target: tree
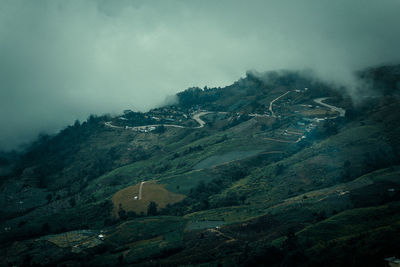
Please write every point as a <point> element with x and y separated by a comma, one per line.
<point>45,228</point>
<point>49,197</point>
<point>279,169</point>
<point>152,209</point>
<point>160,129</point>
<point>122,213</point>
<point>72,202</point>
<point>264,127</point>
<point>120,259</point>
<point>346,174</point>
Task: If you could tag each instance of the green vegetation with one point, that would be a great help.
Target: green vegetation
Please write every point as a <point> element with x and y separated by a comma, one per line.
<point>246,189</point>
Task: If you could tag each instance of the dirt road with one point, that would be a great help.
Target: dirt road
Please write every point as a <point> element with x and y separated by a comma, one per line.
<point>140,190</point>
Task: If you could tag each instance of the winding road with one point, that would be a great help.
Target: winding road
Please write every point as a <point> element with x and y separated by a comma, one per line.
<point>341,111</point>
<point>200,121</point>
<point>272,102</point>
<point>196,117</point>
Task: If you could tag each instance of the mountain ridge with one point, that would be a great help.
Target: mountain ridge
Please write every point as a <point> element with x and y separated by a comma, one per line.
<point>268,155</point>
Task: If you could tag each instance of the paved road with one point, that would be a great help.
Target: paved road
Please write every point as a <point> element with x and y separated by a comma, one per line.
<point>341,111</point>
<point>196,117</point>
<point>272,102</point>
<point>200,121</point>
<point>108,124</point>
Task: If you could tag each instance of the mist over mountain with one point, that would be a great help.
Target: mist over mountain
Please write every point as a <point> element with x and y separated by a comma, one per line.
<point>276,169</point>
<point>64,60</point>
<point>200,133</point>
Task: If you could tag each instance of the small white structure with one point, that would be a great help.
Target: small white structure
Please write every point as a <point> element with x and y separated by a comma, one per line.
<point>101,236</point>
<point>135,197</point>
<point>344,193</point>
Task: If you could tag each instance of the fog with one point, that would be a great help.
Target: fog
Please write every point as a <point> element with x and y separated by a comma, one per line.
<point>64,60</point>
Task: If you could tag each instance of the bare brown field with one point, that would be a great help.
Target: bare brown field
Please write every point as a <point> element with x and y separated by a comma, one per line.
<point>151,191</point>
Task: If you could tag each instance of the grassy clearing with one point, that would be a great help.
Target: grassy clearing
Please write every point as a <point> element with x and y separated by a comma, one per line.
<point>151,191</point>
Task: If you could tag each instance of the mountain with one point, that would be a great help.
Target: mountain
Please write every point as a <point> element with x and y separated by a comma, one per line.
<point>277,169</point>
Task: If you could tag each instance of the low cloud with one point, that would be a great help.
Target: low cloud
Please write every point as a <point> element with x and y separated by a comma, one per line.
<point>63,60</point>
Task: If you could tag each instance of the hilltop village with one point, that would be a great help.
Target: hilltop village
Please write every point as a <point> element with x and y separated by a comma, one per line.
<point>304,116</point>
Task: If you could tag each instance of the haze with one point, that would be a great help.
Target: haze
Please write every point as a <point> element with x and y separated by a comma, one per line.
<point>64,60</point>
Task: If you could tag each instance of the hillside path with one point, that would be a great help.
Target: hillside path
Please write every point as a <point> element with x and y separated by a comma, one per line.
<point>140,190</point>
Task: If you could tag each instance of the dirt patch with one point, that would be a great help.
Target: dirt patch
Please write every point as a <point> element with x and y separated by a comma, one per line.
<point>129,200</point>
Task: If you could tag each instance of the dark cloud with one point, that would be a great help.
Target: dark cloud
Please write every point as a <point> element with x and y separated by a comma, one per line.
<point>62,60</point>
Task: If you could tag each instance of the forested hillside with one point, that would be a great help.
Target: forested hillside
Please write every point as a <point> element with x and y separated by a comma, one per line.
<point>277,169</point>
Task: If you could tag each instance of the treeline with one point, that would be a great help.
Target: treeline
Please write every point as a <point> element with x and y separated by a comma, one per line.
<point>47,157</point>
<point>384,79</point>
<point>196,96</point>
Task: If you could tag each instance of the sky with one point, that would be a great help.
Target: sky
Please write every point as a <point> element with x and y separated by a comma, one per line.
<point>64,60</point>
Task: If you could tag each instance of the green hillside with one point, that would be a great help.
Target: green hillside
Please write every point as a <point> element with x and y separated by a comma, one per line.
<point>255,173</point>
